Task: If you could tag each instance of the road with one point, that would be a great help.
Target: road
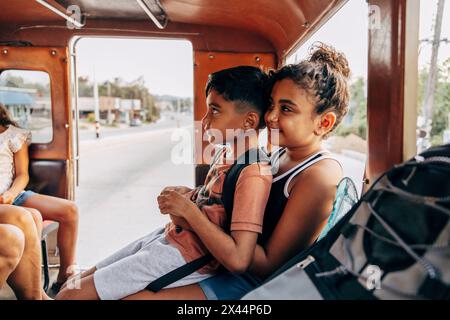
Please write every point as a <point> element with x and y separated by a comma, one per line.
<point>121,175</point>
<point>120,178</point>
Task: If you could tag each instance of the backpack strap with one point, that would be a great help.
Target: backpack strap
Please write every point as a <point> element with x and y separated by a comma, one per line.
<point>232,177</point>
<point>229,187</point>
<point>179,273</point>
<point>434,289</point>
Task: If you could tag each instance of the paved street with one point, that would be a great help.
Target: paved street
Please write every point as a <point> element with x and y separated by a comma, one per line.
<point>120,177</point>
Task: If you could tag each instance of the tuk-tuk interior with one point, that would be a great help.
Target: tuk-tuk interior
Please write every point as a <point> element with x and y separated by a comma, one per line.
<point>40,36</point>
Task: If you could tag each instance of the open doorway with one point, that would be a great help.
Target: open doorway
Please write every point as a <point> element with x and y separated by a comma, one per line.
<point>133,94</point>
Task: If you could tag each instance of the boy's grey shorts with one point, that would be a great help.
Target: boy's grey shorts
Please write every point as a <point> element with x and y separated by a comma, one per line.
<point>132,268</point>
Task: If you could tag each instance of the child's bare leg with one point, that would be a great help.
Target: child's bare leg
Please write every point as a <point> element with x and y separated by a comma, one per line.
<point>25,280</point>
<point>66,214</point>
<point>11,250</point>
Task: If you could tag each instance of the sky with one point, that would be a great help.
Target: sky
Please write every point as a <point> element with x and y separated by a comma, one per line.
<point>167,65</point>
<point>347,32</point>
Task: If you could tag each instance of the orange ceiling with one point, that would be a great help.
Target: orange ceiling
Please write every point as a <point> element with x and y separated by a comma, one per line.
<point>282,22</point>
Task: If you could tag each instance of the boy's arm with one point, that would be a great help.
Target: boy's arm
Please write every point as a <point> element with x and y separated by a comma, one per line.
<point>181,222</point>
<point>179,189</point>
<point>235,252</point>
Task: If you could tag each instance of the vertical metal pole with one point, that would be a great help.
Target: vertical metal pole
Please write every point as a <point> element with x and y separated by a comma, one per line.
<point>428,103</point>
<point>96,108</point>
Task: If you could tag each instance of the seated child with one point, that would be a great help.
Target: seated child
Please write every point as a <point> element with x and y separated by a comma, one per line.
<point>236,101</point>
<point>14,178</point>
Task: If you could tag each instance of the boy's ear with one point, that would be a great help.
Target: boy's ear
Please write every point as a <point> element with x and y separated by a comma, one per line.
<point>251,121</point>
<point>326,123</point>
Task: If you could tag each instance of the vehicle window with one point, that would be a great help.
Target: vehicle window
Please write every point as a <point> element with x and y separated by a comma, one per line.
<point>135,136</point>
<point>26,95</point>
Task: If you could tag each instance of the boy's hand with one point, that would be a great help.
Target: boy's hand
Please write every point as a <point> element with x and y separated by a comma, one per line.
<point>6,198</point>
<point>179,189</point>
<point>172,202</point>
<point>181,222</point>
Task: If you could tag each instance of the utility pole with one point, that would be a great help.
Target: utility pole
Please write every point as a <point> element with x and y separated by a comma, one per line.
<point>428,102</point>
<point>96,108</point>
<point>178,112</point>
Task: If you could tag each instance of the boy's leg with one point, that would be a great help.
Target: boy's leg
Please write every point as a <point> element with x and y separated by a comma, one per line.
<point>132,274</point>
<point>190,292</point>
<point>86,291</point>
<point>123,253</point>
<point>126,251</point>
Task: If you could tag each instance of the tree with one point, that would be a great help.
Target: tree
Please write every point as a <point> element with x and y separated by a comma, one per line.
<point>441,108</point>
<point>85,88</point>
<point>120,89</point>
<point>356,120</point>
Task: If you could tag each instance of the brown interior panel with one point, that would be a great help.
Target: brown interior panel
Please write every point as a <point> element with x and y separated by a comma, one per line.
<point>54,62</point>
<point>386,88</point>
<point>206,63</point>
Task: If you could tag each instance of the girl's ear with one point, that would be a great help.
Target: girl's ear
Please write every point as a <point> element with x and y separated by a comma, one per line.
<point>326,123</point>
<point>251,121</point>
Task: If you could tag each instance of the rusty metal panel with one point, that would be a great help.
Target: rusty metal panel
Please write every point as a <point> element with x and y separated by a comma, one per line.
<point>53,61</point>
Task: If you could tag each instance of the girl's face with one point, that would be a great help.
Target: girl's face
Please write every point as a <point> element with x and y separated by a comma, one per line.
<point>292,114</point>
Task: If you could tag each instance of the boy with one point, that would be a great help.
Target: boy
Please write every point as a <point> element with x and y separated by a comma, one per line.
<point>236,101</point>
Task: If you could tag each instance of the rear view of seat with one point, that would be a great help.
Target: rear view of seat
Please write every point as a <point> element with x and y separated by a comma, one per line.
<point>45,178</point>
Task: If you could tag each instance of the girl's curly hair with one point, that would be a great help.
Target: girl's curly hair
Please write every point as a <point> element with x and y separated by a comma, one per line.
<point>324,75</point>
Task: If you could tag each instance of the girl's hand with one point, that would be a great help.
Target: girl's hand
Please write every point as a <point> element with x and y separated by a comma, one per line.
<point>7,198</point>
<point>172,202</point>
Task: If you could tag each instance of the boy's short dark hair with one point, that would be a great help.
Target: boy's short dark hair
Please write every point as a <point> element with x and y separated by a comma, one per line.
<point>244,85</point>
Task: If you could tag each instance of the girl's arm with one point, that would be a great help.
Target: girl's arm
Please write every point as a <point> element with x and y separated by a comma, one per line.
<point>21,176</point>
<point>306,213</point>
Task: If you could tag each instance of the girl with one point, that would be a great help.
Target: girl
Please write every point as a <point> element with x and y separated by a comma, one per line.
<point>308,101</point>
<point>14,178</point>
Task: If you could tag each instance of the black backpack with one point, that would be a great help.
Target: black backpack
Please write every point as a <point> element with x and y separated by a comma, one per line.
<point>393,244</point>
<point>229,187</point>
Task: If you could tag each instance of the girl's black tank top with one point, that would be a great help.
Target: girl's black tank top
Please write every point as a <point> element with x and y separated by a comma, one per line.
<point>279,195</point>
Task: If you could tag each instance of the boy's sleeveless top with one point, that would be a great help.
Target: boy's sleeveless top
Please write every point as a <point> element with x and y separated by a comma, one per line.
<point>279,193</point>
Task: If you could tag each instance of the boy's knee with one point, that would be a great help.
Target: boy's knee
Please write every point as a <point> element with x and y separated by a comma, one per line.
<point>68,294</point>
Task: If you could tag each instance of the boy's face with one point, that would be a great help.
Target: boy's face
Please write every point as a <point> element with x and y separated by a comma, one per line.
<point>220,116</point>
<point>291,114</point>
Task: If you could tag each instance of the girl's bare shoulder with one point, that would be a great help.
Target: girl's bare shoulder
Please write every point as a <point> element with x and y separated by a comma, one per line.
<point>320,176</point>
